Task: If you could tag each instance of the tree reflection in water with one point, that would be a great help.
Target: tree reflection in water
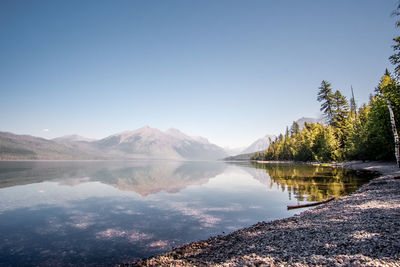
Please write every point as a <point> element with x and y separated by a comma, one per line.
<point>308,182</point>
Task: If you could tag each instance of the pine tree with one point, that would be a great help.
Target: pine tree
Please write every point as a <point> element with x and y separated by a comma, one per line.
<point>325,96</point>
<point>294,129</point>
<point>340,109</point>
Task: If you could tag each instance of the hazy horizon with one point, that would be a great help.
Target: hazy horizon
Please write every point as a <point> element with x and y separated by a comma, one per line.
<point>229,71</point>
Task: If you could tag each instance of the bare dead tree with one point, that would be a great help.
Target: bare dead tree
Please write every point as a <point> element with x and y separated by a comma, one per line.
<point>395,134</point>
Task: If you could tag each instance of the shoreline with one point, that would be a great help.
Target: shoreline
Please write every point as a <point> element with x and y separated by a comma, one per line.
<point>359,229</point>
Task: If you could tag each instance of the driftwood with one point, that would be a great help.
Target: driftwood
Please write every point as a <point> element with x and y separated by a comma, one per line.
<point>310,204</point>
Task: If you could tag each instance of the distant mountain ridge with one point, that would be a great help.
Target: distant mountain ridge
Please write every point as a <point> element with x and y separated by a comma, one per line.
<point>72,138</point>
<point>26,147</point>
<point>260,144</point>
<point>143,143</point>
<point>263,143</point>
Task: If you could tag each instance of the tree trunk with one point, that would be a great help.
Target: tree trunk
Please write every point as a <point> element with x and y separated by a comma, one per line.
<point>396,136</point>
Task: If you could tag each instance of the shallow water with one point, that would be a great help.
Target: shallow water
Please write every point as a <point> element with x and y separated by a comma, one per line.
<point>96,212</point>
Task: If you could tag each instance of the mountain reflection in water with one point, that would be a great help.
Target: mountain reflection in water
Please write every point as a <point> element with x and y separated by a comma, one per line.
<point>142,177</point>
<point>302,182</point>
<point>95,213</point>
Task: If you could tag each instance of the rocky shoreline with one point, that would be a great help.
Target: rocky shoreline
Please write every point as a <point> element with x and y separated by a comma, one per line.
<point>362,229</point>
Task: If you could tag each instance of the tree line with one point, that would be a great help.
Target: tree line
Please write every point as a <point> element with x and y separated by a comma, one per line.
<point>347,132</point>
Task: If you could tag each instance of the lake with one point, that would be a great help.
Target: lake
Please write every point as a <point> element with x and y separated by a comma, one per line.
<point>109,212</point>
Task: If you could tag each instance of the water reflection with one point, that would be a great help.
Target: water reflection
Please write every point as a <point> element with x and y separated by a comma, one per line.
<point>142,177</point>
<point>93,213</point>
<point>308,182</point>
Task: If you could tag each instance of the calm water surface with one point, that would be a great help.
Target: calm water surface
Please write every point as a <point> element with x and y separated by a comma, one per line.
<point>54,213</point>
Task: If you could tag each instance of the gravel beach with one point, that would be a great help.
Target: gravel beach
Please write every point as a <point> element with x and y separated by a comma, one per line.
<point>362,229</point>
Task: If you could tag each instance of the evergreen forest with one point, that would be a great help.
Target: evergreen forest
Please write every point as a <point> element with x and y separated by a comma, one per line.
<point>347,133</point>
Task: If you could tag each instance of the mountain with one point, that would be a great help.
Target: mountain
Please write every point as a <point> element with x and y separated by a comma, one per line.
<point>259,145</point>
<point>233,151</point>
<point>303,120</point>
<point>263,143</point>
<point>26,147</point>
<point>148,142</point>
<point>73,138</point>
<point>143,143</point>
<point>246,154</point>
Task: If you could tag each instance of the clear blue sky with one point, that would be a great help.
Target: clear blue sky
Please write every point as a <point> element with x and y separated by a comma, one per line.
<point>231,71</point>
